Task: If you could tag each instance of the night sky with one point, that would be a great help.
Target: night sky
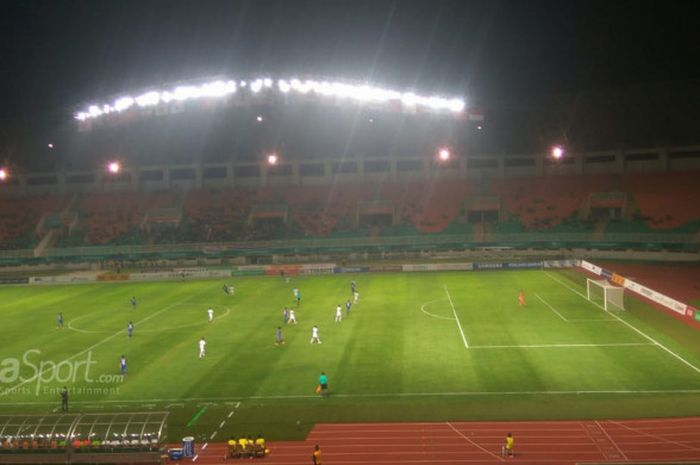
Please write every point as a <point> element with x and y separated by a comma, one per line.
<point>57,55</point>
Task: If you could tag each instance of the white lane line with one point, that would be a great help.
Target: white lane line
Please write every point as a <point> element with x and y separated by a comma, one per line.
<point>629,325</point>
<point>459,325</point>
<point>551,308</point>
<point>205,445</point>
<point>564,346</point>
<point>196,456</point>
<point>612,440</point>
<point>655,436</point>
<point>475,444</point>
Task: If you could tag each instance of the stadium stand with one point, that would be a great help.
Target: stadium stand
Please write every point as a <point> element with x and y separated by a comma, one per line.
<point>20,216</point>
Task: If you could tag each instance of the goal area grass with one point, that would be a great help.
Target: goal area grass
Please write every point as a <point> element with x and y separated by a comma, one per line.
<point>416,347</point>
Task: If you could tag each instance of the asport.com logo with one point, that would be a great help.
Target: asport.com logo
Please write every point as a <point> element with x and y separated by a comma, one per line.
<point>32,374</point>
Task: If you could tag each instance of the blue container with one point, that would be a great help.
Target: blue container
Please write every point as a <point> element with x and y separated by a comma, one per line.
<point>188,446</point>
<point>175,454</point>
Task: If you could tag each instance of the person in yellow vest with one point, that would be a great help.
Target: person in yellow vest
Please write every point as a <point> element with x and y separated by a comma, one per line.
<point>232,449</point>
<point>507,449</point>
<point>242,445</point>
<point>260,450</point>
<point>317,455</point>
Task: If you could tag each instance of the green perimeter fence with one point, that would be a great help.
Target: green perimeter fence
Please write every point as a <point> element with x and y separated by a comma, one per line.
<point>642,241</point>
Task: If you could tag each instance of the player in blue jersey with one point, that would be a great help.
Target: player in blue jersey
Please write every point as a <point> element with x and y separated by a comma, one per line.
<point>122,365</point>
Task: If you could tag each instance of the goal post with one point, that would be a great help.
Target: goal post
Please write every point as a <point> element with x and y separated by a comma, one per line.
<point>601,292</point>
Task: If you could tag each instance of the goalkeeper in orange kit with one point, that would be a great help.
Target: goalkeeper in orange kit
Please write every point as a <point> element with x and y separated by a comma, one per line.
<point>521,298</point>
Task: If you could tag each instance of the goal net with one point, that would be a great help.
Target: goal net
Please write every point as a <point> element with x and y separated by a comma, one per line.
<point>608,296</point>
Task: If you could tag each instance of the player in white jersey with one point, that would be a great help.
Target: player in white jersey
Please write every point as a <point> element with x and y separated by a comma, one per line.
<point>314,336</point>
<point>356,295</point>
<point>202,348</point>
<point>292,317</point>
<point>338,314</point>
<point>210,314</point>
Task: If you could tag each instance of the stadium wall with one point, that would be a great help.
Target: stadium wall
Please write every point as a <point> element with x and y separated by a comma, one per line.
<point>141,178</point>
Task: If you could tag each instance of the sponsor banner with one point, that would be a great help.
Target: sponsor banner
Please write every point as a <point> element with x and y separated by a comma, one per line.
<point>384,268</point>
<point>260,268</point>
<point>560,263</point>
<point>14,280</point>
<point>189,270</point>
<point>61,279</point>
<point>148,276</point>
<point>508,266</point>
<point>318,268</point>
<point>618,279</point>
<point>273,270</point>
<point>113,277</point>
<point>657,297</point>
<point>351,269</point>
<point>606,274</point>
<point>454,267</point>
<point>199,274</point>
<point>419,267</point>
<point>596,270</point>
<point>240,272</point>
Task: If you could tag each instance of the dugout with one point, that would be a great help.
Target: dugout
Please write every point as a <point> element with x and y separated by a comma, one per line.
<point>91,438</point>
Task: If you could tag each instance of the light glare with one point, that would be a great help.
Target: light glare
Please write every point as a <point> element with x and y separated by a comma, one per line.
<point>114,167</point>
<point>361,94</point>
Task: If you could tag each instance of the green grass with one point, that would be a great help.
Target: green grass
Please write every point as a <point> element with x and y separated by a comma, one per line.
<point>399,356</point>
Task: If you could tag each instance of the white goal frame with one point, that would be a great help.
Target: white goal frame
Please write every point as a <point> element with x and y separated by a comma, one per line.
<point>613,296</point>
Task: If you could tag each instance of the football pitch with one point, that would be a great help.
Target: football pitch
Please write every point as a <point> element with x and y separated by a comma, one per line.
<point>416,347</point>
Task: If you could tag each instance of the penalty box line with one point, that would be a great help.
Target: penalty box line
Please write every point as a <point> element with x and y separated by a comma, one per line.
<point>629,325</point>
<point>575,320</point>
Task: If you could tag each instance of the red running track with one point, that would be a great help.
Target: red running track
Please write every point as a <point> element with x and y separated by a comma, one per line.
<point>453,443</point>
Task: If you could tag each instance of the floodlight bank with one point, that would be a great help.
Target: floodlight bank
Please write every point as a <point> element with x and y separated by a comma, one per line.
<point>359,94</point>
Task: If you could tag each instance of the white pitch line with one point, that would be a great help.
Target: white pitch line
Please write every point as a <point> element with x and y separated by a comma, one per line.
<point>629,325</point>
<point>212,435</point>
<point>221,425</point>
<point>230,414</point>
<point>564,346</point>
<point>396,394</point>
<point>459,325</point>
<point>97,344</point>
<point>551,308</point>
<point>471,441</point>
<point>422,309</point>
